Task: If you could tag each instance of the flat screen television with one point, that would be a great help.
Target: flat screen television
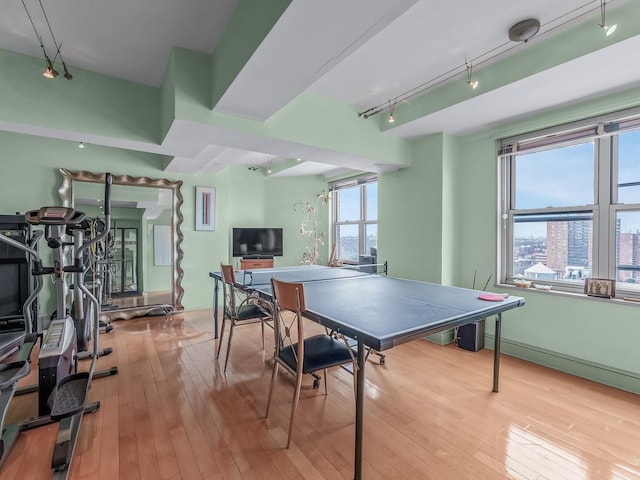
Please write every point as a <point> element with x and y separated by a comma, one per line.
<point>257,242</point>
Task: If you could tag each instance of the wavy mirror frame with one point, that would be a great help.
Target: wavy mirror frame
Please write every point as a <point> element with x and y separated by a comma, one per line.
<point>67,196</point>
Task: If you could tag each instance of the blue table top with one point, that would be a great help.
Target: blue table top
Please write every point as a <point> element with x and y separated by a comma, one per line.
<point>386,311</point>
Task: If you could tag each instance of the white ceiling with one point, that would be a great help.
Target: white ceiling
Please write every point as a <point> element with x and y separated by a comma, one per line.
<point>362,52</point>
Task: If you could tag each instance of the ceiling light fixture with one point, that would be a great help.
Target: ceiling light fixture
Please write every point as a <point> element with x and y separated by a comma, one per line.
<point>520,33</point>
<point>49,71</point>
<point>608,29</point>
<point>81,145</point>
<point>524,30</point>
<point>472,83</point>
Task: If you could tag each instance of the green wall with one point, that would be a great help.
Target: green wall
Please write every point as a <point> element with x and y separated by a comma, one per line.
<point>282,194</point>
<point>410,214</point>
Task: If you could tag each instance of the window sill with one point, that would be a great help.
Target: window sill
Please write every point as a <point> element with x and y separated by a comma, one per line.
<point>513,290</point>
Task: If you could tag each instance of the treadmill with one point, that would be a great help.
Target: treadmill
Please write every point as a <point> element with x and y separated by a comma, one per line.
<point>15,285</point>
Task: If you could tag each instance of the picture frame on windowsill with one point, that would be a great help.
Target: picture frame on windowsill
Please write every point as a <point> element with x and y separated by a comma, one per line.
<point>600,287</point>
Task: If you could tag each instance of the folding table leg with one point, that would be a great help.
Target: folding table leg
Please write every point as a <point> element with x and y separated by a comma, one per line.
<point>359,411</point>
<point>496,352</point>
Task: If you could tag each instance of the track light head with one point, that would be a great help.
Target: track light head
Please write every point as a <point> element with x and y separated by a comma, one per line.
<point>67,75</point>
<point>608,29</point>
<point>391,119</point>
<point>49,71</point>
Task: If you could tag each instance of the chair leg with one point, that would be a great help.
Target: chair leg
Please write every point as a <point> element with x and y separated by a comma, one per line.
<point>262,327</point>
<point>294,406</point>
<point>224,321</point>
<point>324,374</point>
<point>274,374</point>
<point>226,360</point>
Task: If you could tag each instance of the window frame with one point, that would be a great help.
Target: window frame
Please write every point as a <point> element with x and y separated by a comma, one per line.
<point>604,131</point>
<point>361,182</point>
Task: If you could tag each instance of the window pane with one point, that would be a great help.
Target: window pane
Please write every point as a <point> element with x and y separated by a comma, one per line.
<point>628,249</point>
<point>553,247</point>
<point>370,239</point>
<point>348,242</point>
<point>371,192</point>
<point>629,167</point>
<point>561,177</point>
<point>349,204</point>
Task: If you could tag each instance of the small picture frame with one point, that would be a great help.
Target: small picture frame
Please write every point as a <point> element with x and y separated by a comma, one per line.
<point>600,287</point>
<point>205,208</point>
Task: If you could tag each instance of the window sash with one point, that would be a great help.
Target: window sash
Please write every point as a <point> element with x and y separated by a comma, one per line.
<point>604,132</point>
<point>361,182</point>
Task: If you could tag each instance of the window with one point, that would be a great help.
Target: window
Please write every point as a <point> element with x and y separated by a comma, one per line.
<point>355,218</point>
<point>570,205</point>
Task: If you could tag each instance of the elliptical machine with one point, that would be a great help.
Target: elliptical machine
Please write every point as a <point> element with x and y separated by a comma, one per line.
<point>62,391</point>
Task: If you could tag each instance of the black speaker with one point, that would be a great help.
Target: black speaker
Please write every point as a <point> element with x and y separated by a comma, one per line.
<point>471,336</point>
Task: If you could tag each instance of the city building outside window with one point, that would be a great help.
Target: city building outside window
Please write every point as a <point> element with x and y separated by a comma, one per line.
<point>570,205</point>
<point>355,219</point>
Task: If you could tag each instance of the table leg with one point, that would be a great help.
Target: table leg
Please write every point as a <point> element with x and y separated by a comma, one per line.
<point>216,288</point>
<point>359,411</point>
<point>496,352</point>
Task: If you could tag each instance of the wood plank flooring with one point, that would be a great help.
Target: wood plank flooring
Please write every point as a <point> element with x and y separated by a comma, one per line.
<point>172,414</point>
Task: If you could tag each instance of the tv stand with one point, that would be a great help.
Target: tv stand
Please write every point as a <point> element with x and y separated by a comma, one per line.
<point>255,262</point>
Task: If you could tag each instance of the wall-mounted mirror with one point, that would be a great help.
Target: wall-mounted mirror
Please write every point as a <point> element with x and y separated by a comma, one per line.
<point>143,273</point>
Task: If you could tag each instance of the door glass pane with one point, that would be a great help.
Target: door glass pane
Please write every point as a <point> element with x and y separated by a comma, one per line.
<point>628,249</point>
<point>348,241</point>
<point>553,247</point>
<point>561,177</point>
<point>629,167</point>
<point>371,193</point>
<point>349,204</point>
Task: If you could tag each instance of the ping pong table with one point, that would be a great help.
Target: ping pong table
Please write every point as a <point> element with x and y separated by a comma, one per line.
<point>380,312</point>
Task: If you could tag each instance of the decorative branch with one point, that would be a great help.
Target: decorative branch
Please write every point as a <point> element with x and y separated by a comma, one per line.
<point>312,227</point>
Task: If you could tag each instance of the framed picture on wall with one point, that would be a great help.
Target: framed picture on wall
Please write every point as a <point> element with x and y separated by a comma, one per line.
<point>600,287</point>
<point>205,208</point>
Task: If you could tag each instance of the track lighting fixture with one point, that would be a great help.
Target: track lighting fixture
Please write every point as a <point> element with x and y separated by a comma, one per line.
<point>67,75</point>
<point>391,109</point>
<point>608,29</point>
<point>472,83</point>
<point>264,166</point>
<point>49,71</point>
<point>521,32</point>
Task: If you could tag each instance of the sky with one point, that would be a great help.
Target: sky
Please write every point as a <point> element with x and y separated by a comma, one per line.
<point>564,177</point>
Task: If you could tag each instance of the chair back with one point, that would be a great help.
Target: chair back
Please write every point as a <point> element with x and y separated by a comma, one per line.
<point>228,274</point>
<point>229,292</point>
<point>289,305</point>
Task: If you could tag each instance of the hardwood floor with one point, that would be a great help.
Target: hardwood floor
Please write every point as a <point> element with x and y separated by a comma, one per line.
<point>430,414</point>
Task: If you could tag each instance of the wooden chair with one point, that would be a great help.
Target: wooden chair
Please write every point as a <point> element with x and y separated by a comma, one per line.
<point>297,354</point>
<point>239,309</point>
